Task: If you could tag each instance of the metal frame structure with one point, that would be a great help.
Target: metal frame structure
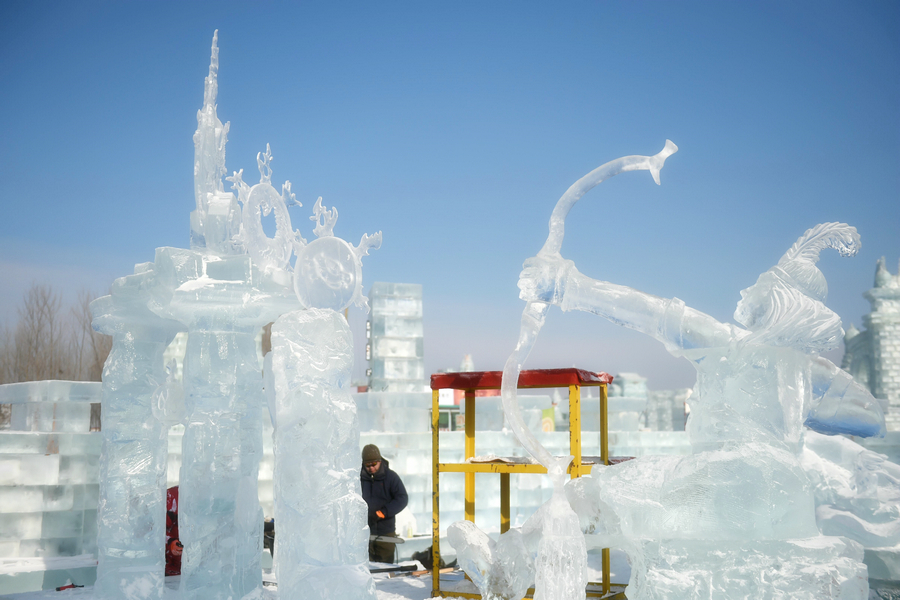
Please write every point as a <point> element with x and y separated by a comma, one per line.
<point>469,382</point>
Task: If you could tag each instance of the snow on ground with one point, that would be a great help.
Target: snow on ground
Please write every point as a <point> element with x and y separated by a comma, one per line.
<point>406,587</point>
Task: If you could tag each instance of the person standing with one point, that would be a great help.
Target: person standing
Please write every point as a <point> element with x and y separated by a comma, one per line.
<point>386,496</point>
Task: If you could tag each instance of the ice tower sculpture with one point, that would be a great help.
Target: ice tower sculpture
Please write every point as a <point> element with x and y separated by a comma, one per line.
<point>735,519</point>
<point>222,292</point>
<point>321,550</point>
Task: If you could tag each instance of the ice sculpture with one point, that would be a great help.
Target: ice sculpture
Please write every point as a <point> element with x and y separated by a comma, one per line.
<point>706,525</point>
<point>857,491</point>
<point>222,291</point>
<point>321,551</point>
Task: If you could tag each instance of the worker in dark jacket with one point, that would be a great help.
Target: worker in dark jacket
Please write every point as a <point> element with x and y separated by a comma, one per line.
<point>384,493</point>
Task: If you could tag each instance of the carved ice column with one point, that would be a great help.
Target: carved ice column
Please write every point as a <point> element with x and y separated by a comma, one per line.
<point>132,511</point>
<point>321,550</point>
<point>221,520</point>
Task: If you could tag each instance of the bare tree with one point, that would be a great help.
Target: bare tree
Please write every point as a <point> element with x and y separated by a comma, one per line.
<point>49,343</point>
<point>93,347</point>
<point>40,338</point>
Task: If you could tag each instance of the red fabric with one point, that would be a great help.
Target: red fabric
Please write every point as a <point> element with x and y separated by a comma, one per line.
<point>173,545</point>
<point>535,378</point>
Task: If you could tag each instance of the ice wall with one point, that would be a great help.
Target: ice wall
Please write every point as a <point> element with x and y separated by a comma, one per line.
<point>395,349</point>
<point>48,485</point>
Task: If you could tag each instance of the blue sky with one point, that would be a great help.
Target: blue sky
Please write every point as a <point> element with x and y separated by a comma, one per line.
<point>454,127</point>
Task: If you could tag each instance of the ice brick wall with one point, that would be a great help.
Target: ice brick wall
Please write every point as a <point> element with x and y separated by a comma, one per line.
<point>395,346</point>
<point>49,464</point>
<point>48,485</point>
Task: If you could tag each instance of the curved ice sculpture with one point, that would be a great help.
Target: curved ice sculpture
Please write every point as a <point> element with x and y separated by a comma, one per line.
<point>536,310</point>
<point>554,533</point>
<point>708,523</point>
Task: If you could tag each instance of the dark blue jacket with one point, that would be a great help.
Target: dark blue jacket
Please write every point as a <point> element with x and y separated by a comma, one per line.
<point>385,492</point>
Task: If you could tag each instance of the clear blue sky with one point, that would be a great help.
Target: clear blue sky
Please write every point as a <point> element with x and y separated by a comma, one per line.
<point>454,127</point>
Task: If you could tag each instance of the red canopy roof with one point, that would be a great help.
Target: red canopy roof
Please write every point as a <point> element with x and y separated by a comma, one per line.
<point>536,378</point>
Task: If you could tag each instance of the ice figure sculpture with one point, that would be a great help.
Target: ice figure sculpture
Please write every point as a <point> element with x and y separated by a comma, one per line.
<point>321,551</point>
<point>706,525</point>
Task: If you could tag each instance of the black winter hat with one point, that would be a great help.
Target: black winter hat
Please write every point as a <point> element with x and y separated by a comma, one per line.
<point>370,453</point>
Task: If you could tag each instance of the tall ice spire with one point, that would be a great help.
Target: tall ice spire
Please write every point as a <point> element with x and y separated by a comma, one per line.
<point>215,232</point>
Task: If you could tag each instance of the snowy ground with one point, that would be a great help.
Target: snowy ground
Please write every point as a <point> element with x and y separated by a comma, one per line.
<point>406,587</point>
<point>410,587</point>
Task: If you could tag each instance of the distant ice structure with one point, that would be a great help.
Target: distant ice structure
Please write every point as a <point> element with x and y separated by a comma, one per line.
<point>321,551</point>
<point>707,525</point>
<point>872,356</point>
<point>396,344</point>
<point>232,282</point>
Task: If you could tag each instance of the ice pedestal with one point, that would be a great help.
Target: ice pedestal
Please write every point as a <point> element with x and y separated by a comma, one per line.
<point>321,550</point>
<point>561,565</point>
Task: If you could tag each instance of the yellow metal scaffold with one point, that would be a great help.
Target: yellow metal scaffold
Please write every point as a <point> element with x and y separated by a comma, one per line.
<point>469,382</point>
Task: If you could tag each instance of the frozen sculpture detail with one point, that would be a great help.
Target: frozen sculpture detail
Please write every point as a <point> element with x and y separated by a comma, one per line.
<point>222,291</point>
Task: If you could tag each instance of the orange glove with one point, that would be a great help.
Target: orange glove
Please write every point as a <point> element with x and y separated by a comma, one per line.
<point>380,514</point>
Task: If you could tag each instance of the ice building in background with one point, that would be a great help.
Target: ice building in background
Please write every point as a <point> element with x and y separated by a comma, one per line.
<point>872,356</point>
<point>49,485</point>
<point>394,330</point>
